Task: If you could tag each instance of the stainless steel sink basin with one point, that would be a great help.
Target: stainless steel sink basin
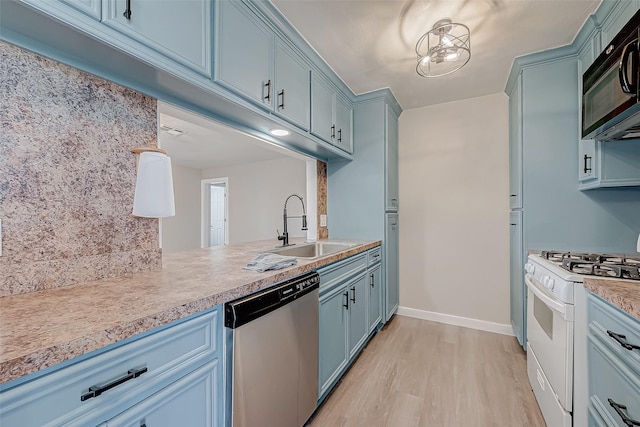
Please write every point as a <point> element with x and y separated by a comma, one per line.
<point>312,250</point>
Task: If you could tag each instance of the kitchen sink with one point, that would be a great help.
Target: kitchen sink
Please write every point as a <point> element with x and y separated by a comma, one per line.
<point>312,250</point>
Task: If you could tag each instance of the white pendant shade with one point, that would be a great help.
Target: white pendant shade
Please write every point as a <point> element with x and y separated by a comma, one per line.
<point>154,187</point>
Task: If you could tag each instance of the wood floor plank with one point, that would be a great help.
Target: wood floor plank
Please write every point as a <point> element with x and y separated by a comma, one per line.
<point>420,373</point>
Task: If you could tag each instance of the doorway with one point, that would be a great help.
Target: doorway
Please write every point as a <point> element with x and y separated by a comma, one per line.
<point>215,212</point>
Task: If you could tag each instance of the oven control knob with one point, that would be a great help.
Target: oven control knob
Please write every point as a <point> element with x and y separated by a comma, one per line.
<point>551,284</point>
<point>545,281</point>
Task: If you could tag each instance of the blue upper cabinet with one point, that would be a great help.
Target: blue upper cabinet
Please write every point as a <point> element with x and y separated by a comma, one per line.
<point>391,159</point>
<point>244,54</point>
<point>515,145</point>
<point>292,83</point>
<point>92,8</point>
<point>185,40</point>
<point>344,124</point>
<point>331,114</point>
<point>253,62</point>
<point>322,96</point>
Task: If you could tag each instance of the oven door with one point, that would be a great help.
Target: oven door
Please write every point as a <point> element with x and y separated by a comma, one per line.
<point>550,336</point>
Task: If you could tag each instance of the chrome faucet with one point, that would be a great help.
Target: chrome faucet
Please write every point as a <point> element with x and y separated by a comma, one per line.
<point>285,235</point>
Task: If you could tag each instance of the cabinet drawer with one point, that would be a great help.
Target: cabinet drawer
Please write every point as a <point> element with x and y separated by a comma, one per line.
<point>611,382</point>
<point>340,271</point>
<point>190,401</point>
<point>374,256</point>
<point>55,398</point>
<point>617,330</point>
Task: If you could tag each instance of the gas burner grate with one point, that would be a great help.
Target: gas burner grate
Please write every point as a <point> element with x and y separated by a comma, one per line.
<point>619,266</point>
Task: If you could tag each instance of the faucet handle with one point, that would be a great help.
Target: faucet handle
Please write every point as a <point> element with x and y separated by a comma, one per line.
<point>280,236</point>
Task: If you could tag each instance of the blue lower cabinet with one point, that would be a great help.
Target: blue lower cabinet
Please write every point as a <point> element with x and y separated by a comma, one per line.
<point>350,313</point>
<point>190,401</point>
<point>357,308</point>
<point>375,297</point>
<point>332,345</point>
<point>177,367</point>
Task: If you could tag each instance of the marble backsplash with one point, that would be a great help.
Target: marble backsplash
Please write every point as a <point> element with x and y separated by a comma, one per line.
<point>67,176</point>
<point>323,232</point>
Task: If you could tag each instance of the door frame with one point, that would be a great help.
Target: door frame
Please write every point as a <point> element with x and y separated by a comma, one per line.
<point>205,204</point>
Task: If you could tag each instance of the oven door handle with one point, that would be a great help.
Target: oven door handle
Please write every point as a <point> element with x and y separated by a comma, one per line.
<point>549,301</point>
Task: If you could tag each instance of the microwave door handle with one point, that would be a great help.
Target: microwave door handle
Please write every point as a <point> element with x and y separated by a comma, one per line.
<point>623,72</point>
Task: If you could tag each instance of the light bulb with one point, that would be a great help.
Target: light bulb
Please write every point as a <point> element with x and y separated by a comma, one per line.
<point>446,42</point>
<point>452,56</point>
<point>425,59</point>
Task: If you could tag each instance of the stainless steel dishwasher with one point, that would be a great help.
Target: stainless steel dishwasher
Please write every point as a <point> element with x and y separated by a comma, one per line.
<point>275,354</point>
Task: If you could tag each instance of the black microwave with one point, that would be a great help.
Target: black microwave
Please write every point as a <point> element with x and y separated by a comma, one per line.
<point>610,96</point>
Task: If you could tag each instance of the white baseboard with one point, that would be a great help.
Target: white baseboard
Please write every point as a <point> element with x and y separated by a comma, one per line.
<point>482,325</point>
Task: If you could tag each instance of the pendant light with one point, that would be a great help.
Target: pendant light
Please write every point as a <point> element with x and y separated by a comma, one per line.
<point>154,184</point>
<point>444,49</point>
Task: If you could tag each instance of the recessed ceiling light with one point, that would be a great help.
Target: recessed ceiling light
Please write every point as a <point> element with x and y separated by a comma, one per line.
<point>279,132</point>
<point>171,131</point>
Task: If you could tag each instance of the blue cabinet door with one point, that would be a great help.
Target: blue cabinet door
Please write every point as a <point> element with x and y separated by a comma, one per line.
<point>186,40</point>
<point>194,400</point>
<point>322,97</point>
<point>391,160</point>
<point>244,53</point>
<point>358,328</point>
<point>392,295</point>
<point>515,145</point>
<point>344,120</point>
<point>292,87</point>
<point>375,297</point>
<point>332,343</point>
<point>517,291</point>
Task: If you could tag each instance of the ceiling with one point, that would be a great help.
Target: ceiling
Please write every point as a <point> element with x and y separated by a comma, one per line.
<point>207,144</point>
<point>370,44</point>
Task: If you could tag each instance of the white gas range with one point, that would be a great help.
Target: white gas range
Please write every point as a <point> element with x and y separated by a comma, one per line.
<point>554,282</point>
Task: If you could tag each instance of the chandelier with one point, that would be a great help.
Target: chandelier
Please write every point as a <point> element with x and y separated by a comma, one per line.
<point>444,49</point>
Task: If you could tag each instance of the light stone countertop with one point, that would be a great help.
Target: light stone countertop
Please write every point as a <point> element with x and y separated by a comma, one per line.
<point>624,294</point>
<point>41,329</point>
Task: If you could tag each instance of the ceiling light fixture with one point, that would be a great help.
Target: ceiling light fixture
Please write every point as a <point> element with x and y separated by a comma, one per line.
<point>444,49</point>
<point>279,132</point>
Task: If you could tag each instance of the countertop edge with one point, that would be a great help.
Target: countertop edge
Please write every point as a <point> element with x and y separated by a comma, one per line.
<point>35,361</point>
<point>624,294</point>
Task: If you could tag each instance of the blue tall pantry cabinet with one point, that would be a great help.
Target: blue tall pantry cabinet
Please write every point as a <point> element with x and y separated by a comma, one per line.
<point>363,193</point>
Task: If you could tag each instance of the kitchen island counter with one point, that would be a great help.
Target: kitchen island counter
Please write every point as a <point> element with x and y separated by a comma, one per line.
<point>44,328</point>
<point>624,294</point>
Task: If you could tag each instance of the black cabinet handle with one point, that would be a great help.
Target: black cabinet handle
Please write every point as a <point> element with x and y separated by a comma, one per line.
<point>97,390</point>
<point>353,289</point>
<point>281,95</point>
<point>587,169</point>
<point>346,305</point>
<point>625,419</point>
<point>267,97</point>
<point>371,281</point>
<point>339,135</point>
<point>512,195</point>
<point>127,11</point>
<point>333,131</point>
<point>622,340</point>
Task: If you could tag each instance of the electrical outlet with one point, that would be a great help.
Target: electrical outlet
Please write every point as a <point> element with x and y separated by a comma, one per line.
<point>323,220</point>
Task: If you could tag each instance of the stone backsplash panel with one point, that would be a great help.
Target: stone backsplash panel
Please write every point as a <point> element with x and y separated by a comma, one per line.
<point>323,232</point>
<point>67,176</point>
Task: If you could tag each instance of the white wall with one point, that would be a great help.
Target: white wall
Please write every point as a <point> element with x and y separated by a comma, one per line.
<point>182,231</point>
<point>256,196</point>
<point>454,209</point>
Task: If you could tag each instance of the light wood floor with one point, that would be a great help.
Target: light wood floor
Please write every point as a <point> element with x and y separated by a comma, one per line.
<point>420,373</point>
